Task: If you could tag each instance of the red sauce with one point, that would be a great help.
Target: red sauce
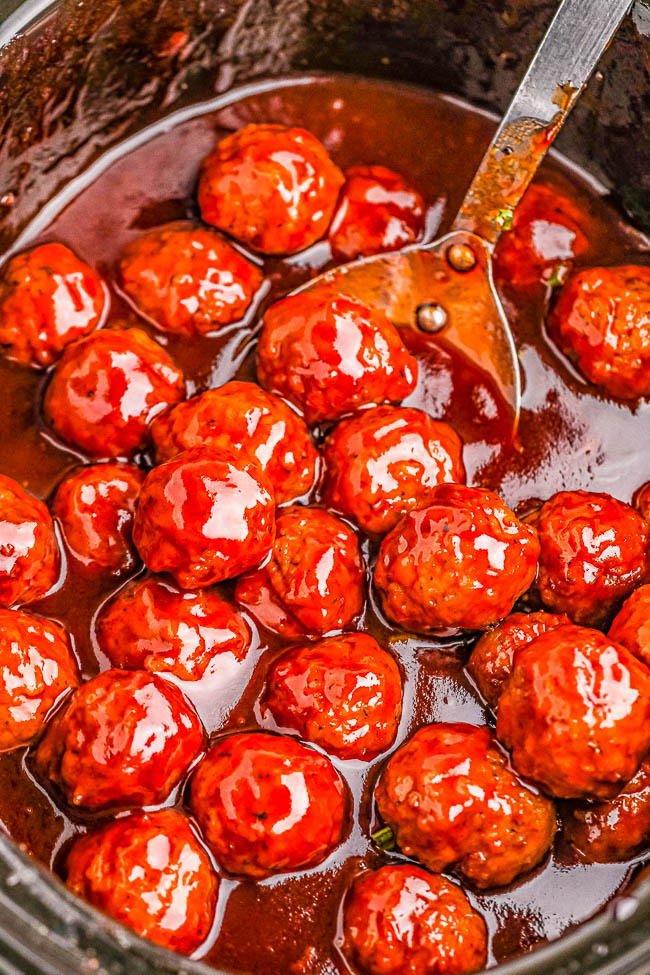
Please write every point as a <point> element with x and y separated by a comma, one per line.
<point>569,437</point>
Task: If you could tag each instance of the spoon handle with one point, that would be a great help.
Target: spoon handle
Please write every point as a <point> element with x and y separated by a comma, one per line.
<point>579,33</point>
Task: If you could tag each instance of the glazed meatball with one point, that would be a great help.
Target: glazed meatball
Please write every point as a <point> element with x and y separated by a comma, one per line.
<point>95,506</point>
<point>271,187</point>
<point>574,713</point>
<point>188,280</point>
<point>107,388</point>
<point>401,919</point>
<point>384,462</point>
<point>594,552</point>
<point>332,354</point>
<point>545,237</point>
<point>461,562</point>
<point>602,322</point>
<point>343,694</point>
<point>378,211</point>
<point>642,501</point>
<point>37,668</point>
<point>152,625</point>
<point>125,738</point>
<point>631,627</point>
<point>613,829</point>
<point>48,298</point>
<point>204,517</point>
<point>453,802</point>
<point>150,872</point>
<point>267,804</point>
<point>314,580</point>
<point>29,554</point>
<point>491,661</point>
<point>242,417</point>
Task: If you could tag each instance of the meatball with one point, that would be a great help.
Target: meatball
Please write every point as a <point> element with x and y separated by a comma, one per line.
<point>343,694</point>
<point>491,661</point>
<point>95,506</point>
<point>613,829</point>
<point>267,804</point>
<point>29,554</point>
<point>402,919</point>
<point>378,211</point>
<point>150,872</point>
<point>124,738</point>
<point>107,388</point>
<point>461,562</point>
<point>642,501</point>
<point>384,462</point>
<point>273,188</point>
<point>331,354</point>
<point>631,627</point>
<point>188,280</point>
<point>152,625</point>
<point>574,713</point>
<point>594,552</point>
<point>453,802</point>
<point>244,418</point>
<point>48,298</point>
<point>204,517</point>
<point>602,322</point>
<point>37,667</point>
<point>314,580</point>
<point>545,236</point>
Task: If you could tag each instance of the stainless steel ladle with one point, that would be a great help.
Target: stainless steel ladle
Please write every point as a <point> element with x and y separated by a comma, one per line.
<point>447,285</point>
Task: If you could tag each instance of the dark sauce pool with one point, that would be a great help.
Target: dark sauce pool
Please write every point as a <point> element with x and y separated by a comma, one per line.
<point>569,437</point>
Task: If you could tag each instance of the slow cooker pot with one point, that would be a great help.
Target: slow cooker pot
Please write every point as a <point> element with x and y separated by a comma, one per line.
<point>77,77</point>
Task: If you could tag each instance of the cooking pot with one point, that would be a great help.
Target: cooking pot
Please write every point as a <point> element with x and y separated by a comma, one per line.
<point>79,76</point>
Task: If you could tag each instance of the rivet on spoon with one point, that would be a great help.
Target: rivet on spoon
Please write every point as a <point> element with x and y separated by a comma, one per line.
<point>431,317</point>
<point>461,257</point>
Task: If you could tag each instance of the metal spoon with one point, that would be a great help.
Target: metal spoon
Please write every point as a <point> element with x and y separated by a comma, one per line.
<point>447,285</point>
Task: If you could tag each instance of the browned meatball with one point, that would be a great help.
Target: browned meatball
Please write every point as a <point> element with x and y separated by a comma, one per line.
<point>602,321</point>
<point>124,738</point>
<point>272,187</point>
<point>29,554</point>
<point>613,829</point>
<point>631,627</point>
<point>37,669</point>
<point>107,388</point>
<point>150,872</point>
<point>203,517</point>
<point>314,580</point>
<point>491,660</point>
<point>381,463</point>
<point>152,625</point>
<point>95,506</point>
<point>594,552</point>
<point>462,561</point>
<point>401,920</point>
<point>453,802</point>
<point>330,354</point>
<point>268,804</point>
<point>574,713</point>
<point>188,280</point>
<point>48,298</point>
<point>343,694</point>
